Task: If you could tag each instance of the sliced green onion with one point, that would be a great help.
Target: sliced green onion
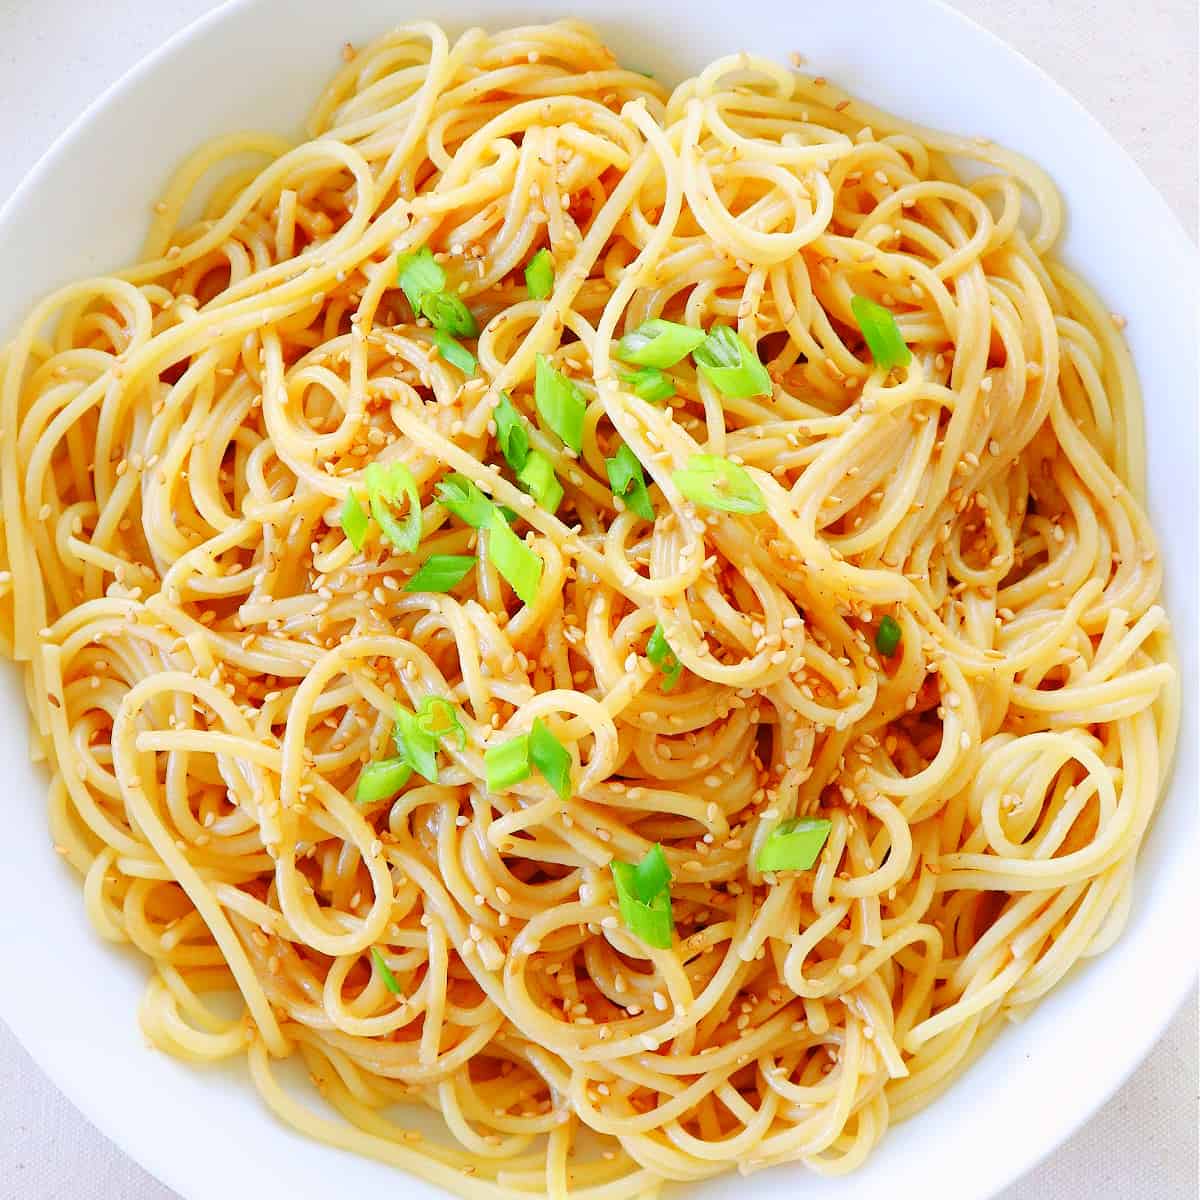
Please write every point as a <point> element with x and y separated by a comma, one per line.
<point>552,758</point>
<point>509,514</point>
<point>538,479</point>
<point>651,923</point>
<point>381,779</point>
<point>658,343</point>
<point>385,486</point>
<point>651,384</point>
<point>507,764</point>
<point>560,402</point>
<point>447,312</point>
<point>438,717</point>
<point>881,332</point>
<point>730,365</point>
<point>793,845</point>
<point>458,495</point>
<point>354,520</point>
<point>419,275</point>
<point>887,636</point>
<point>511,435</point>
<point>627,481</point>
<point>647,915</point>
<point>714,482</point>
<point>539,275</point>
<point>416,747</point>
<point>440,573</point>
<point>514,560</point>
<point>455,353</point>
<point>652,874</point>
<point>659,652</point>
<point>385,972</point>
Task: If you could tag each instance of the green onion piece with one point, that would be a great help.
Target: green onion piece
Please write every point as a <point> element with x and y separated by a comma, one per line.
<point>438,717</point>
<point>714,482</point>
<point>887,636</point>
<point>627,481</point>
<point>440,573</point>
<point>511,434</point>
<point>354,520</point>
<point>514,560</point>
<point>455,353</point>
<point>730,365</point>
<point>416,747</point>
<point>447,312</point>
<point>418,275</point>
<point>658,343</point>
<point>385,972</point>
<point>659,652</point>
<point>552,758</point>
<point>385,486</point>
<point>560,402</point>
<point>881,332</point>
<point>652,874</point>
<point>538,479</point>
<point>793,845</point>
<point>651,384</point>
<point>458,495</point>
<point>648,919</point>
<point>507,764</point>
<point>381,779</point>
<point>509,514</point>
<point>539,275</point>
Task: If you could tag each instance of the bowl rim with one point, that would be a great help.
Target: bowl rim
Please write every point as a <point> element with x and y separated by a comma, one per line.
<point>1136,1044</point>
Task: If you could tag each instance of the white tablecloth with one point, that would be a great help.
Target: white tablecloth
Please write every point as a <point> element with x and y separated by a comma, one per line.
<point>1133,65</point>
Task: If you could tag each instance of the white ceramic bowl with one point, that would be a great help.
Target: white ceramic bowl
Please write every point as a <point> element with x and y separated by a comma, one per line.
<point>259,63</point>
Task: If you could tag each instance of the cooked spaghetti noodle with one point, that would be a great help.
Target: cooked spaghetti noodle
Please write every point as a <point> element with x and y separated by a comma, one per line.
<point>212,661</point>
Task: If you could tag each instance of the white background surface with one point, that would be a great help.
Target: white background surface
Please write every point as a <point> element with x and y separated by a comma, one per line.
<point>1132,64</point>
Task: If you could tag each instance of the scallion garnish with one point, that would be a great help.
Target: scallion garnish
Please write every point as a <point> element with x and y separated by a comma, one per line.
<point>458,495</point>
<point>507,763</point>
<point>663,657</point>
<point>560,403</point>
<point>627,481</point>
<point>440,573</point>
<point>447,312</point>
<point>385,972</point>
<point>651,384</point>
<point>714,482</point>
<point>658,343</point>
<point>551,758</point>
<point>539,275</point>
<point>354,520</point>
<point>386,484</point>
<point>730,365</point>
<point>881,332</point>
<point>511,435</point>
<point>644,896</point>
<point>793,845</point>
<point>381,779</point>
<point>887,636</point>
<point>513,559</point>
<point>419,275</point>
<point>417,747</point>
<point>438,718</point>
<point>538,479</point>
<point>454,352</point>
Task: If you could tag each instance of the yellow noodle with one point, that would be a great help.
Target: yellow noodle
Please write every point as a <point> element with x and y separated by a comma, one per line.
<point>210,663</point>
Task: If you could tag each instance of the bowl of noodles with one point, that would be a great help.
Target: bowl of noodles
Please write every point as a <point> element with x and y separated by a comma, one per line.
<point>591,617</point>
